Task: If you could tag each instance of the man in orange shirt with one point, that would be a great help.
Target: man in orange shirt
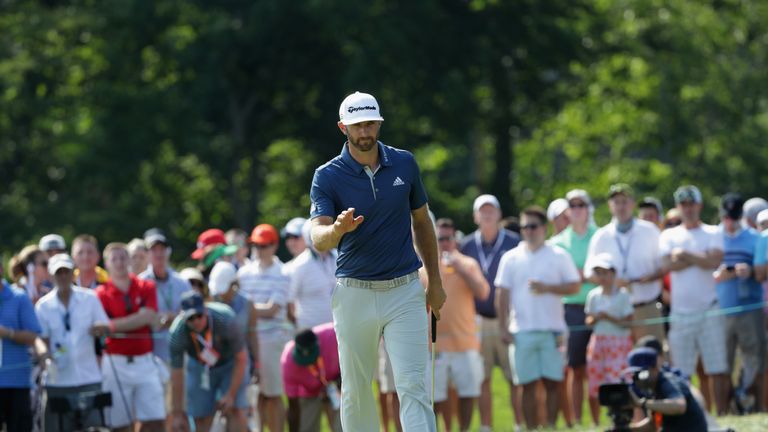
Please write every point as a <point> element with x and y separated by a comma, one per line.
<point>458,358</point>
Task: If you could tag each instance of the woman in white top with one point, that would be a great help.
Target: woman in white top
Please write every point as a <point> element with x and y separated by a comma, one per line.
<point>609,312</point>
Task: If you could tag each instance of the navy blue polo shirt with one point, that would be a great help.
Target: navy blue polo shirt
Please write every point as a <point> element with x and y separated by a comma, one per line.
<point>381,247</point>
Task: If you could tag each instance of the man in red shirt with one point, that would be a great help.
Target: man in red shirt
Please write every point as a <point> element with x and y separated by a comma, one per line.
<point>131,373</point>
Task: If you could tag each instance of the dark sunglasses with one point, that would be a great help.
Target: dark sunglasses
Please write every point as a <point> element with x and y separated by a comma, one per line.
<point>195,317</point>
<point>291,237</point>
<point>530,226</point>
<point>578,205</point>
<point>66,321</point>
<point>446,238</point>
<point>265,246</point>
<point>672,223</point>
<point>196,283</point>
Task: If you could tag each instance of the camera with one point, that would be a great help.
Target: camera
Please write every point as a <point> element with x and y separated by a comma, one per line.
<point>617,399</point>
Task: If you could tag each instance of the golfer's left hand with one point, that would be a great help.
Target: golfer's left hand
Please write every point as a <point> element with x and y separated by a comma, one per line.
<point>435,296</point>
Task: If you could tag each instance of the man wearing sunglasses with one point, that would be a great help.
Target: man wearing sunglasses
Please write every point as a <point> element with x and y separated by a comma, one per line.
<point>130,370</point>
<point>264,283</point>
<point>294,241</point>
<point>532,279</point>
<point>216,365</point>
<point>66,316</point>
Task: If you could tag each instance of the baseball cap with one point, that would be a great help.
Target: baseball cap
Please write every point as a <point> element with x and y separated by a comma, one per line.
<point>207,238</point>
<point>359,107</point>
<point>688,193</point>
<point>52,242</point>
<point>602,260</point>
<point>154,236</point>
<point>732,205</point>
<point>293,227</point>
<point>305,348</point>
<point>191,303</point>
<point>264,234</point>
<point>650,201</point>
<point>221,277</point>
<point>485,199</point>
<point>191,273</point>
<point>60,261</point>
<point>650,341</point>
<point>762,217</point>
<point>621,189</point>
<point>641,359</point>
<point>579,194</point>
<point>556,208</point>
<point>753,207</point>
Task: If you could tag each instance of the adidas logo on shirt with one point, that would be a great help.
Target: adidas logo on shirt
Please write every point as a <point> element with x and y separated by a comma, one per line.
<point>398,182</point>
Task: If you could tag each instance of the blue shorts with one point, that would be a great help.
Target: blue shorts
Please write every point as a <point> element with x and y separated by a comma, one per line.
<point>202,403</point>
<point>535,356</point>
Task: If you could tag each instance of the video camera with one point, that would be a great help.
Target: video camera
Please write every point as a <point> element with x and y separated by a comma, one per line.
<point>619,402</point>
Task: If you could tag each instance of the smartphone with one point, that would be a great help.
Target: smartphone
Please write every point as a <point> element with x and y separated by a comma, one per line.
<point>730,268</point>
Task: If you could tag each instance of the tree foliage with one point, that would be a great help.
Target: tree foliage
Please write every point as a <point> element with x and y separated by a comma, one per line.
<point>118,115</point>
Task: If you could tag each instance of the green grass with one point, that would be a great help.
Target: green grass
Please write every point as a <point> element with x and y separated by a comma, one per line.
<point>503,418</point>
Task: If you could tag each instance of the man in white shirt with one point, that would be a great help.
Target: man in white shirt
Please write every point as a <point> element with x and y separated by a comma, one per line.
<point>634,246</point>
<point>264,283</point>
<point>531,280</point>
<point>66,315</point>
<point>313,276</point>
<point>691,252</point>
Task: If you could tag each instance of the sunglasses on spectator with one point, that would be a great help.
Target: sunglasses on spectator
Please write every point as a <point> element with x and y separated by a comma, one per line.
<point>531,227</point>
<point>196,283</point>
<point>291,237</point>
<point>672,223</point>
<point>578,205</point>
<point>264,246</point>
<point>195,317</point>
<point>445,238</point>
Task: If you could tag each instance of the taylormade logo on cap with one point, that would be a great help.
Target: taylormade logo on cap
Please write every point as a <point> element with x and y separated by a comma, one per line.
<point>359,107</point>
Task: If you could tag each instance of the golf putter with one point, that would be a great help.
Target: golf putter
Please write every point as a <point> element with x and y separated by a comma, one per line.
<point>434,339</point>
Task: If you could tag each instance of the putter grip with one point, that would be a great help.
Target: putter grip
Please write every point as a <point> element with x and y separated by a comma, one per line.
<point>434,328</point>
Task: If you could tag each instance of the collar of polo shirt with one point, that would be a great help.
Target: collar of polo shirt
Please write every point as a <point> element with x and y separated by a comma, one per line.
<point>357,166</point>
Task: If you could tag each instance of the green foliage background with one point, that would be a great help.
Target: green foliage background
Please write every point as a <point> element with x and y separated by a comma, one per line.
<point>118,115</point>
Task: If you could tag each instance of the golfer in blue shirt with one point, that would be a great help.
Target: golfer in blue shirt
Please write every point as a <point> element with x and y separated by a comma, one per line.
<point>365,202</point>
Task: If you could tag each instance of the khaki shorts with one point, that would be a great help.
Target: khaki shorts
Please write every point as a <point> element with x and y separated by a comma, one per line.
<point>493,350</point>
<point>311,410</point>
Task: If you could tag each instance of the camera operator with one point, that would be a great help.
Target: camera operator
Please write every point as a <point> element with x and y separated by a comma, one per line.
<point>666,399</point>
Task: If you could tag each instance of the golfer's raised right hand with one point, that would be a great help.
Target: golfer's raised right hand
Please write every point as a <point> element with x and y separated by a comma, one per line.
<point>346,221</point>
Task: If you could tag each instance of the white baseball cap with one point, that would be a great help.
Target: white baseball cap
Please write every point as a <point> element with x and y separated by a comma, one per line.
<point>762,216</point>
<point>221,277</point>
<point>293,227</point>
<point>485,199</point>
<point>602,260</point>
<point>51,242</point>
<point>359,107</point>
<point>556,208</point>
<point>753,207</point>
<point>191,273</point>
<point>58,262</point>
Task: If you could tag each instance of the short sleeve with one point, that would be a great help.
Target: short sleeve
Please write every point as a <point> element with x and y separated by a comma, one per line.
<point>320,197</point>
<point>28,318</point>
<point>762,243</point>
<point>569,272</point>
<point>589,305</point>
<point>503,275</point>
<point>418,195</point>
<point>45,328</point>
<point>99,315</point>
<point>665,243</point>
<point>176,342</point>
<point>149,295</point>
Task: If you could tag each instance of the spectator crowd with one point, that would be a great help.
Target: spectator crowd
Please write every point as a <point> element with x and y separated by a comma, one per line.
<point>553,300</point>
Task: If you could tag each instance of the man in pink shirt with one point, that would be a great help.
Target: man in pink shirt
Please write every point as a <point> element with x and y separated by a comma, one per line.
<point>311,375</point>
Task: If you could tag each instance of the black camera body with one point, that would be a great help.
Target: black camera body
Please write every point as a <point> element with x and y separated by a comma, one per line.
<point>617,399</point>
